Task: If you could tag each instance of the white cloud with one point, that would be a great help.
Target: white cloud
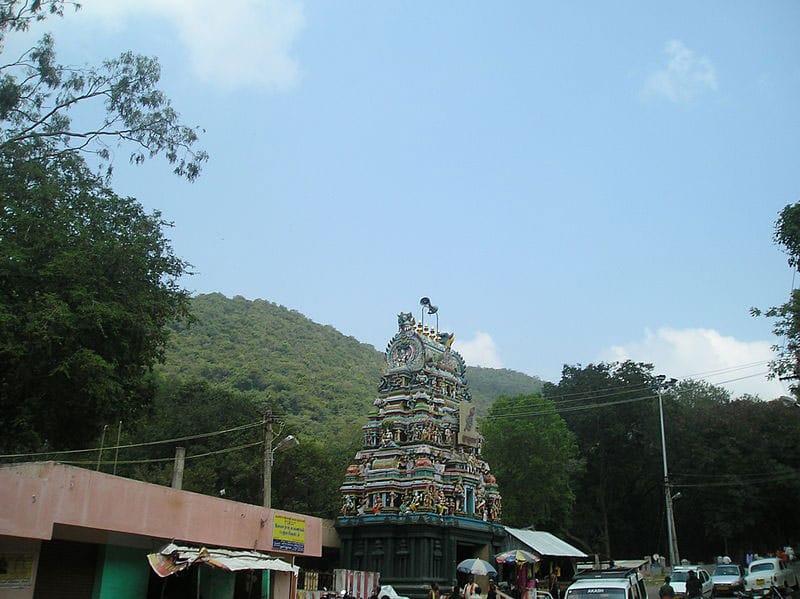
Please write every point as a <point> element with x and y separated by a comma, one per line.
<point>704,354</point>
<point>685,76</point>
<point>479,351</point>
<point>238,43</point>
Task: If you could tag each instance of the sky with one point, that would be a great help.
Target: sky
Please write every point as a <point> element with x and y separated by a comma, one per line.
<point>569,182</point>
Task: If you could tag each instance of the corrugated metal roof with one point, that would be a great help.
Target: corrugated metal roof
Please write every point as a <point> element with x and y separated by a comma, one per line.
<point>545,543</point>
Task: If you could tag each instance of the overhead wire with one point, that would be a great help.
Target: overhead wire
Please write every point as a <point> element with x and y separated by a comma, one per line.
<point>768,478</point>
<point>132,445</point>
<point>169,459</point>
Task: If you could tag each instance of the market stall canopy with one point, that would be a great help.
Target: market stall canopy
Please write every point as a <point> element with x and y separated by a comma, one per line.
<point>173,558</point>
<point>544,544</point>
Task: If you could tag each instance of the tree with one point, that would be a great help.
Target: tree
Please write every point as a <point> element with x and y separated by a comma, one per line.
<point>534,458</point>
<point>88,283</point>
<point>229,463</point>
<point>611,410</point>
<point>37,96</point>
<point>787,315</point>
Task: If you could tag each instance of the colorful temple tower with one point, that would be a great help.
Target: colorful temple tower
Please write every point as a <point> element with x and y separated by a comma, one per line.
<point>419,498</point>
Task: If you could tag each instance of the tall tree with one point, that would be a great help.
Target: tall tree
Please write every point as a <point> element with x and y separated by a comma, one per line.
<point>534,458</point>
<point>88,283</point>
<point>611,410</point>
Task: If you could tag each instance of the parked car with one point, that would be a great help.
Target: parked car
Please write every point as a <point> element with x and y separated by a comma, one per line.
<point>764,574</point>
<point>680,574</point>
<point>727,579</point>
<point>607,584</point>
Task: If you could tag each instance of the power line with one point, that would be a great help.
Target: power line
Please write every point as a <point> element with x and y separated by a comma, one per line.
<point>733,475</point>
<point>558,407</point>
<point>749,482</point>
<point>144,444</point>
<point>169,459</point>
<point>709,373</point>
<point>555,410</point>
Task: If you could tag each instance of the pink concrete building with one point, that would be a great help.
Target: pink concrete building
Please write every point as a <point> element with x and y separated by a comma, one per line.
<point>71,532</point>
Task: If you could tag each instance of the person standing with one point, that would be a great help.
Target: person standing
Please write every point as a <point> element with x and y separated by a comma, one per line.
<point>433,593</point>
<point>492,592</point>
<point>694,588</point>
<point>553,584</point>
<point>470,588</point>
<point>666,591</point>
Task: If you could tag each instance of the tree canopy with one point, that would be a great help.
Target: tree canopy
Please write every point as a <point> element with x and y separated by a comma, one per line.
<point>87,284</point>
<point>534,457</point>
<point>787,315</point>
<point>38,97</point>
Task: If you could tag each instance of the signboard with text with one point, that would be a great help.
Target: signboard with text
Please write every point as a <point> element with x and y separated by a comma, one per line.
<point>289,534</point>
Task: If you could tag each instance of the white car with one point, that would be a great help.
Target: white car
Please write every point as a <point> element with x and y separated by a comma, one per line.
<point>727,579</point>
<point>763,574</point>
<point>680,574</point>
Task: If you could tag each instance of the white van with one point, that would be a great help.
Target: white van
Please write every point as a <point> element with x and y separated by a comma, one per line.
<point>607,584</point>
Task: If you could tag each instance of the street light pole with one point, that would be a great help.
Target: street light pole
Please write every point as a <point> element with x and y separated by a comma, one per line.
<point>269,453</point>
<point>672,540</point>
<point>268,459</point>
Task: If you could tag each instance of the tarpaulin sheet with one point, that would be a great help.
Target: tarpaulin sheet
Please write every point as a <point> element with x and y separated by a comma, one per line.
<point>173,558</point>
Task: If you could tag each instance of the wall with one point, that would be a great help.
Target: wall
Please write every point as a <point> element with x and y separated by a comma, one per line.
<point>19,551</point>
<point>216,584</point>
<point>123,573</point>
<point>35,497</point>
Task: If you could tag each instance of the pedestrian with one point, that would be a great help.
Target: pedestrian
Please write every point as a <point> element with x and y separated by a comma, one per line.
<point>553,584</point>
<point>492,592</point>
<point>694,588</point>
<point>433,593</point>
<point>470,589</point>
<point>666,591</point>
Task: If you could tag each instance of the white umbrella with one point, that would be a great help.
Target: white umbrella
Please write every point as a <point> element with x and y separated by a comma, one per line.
<point>476,566</point>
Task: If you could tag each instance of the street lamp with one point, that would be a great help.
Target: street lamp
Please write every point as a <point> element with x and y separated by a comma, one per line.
<point>672,540</point>
<point>269,455</point>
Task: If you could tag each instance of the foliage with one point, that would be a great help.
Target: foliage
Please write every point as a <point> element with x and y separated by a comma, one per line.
<point>606,406</point>
<point>737,467</point>
<point>312,376</point>
<point>534,457</point>
<point>38,97</point>
<point>190,409</point>
<point>735,462</point>
<point>318,379</point>
<point>17,15</point>
<point>487,384</point>
<point>787,315</point>
<point>305,479</point>
<point>87,283</point>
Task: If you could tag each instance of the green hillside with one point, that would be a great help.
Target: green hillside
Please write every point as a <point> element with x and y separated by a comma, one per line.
<point>319,380</point>
<point>487,384</point>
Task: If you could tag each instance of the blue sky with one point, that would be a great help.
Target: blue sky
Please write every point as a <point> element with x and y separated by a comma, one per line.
<point>568,181</point>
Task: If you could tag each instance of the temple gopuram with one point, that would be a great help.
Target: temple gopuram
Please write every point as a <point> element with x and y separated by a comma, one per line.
<point>418,498</point>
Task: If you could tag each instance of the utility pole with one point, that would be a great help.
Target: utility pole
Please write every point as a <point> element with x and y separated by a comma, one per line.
<point>268,420</point>
<point>177,469</point>
<point>672,540</point>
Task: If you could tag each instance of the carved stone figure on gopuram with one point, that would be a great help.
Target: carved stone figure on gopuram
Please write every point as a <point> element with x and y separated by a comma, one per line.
<point>421,446</point>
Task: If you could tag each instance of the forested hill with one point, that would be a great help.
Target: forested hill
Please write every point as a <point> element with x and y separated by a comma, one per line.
<point>309,372</point>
